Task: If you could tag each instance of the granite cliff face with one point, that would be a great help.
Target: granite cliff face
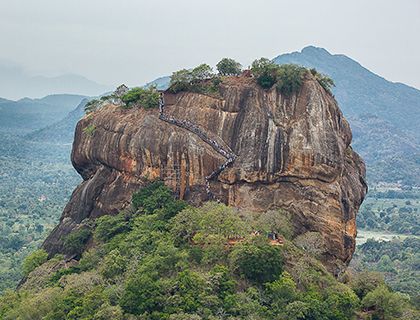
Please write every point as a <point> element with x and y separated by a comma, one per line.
<point>293,153</point>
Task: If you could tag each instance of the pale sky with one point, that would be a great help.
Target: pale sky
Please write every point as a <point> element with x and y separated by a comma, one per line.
<point>135,41</point>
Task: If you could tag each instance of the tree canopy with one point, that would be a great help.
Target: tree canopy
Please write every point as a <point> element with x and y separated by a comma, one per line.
<point>143,97</point>
<point>163,259</point>
<point>229,67</point>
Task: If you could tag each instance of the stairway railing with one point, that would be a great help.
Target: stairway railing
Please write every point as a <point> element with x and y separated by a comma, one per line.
<point>188,125</point>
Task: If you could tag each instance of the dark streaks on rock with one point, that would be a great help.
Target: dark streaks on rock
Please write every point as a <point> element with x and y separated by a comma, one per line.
<point>291,153</point>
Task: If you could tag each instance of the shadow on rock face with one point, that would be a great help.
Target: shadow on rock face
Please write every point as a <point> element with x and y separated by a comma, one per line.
<point>293,153</point>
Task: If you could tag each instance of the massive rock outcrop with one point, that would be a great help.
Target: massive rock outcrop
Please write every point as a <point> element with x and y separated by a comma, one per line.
<point>293,153</point>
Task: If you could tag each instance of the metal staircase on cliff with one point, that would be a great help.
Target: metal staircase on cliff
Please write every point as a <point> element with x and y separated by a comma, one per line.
<point>188,125</point>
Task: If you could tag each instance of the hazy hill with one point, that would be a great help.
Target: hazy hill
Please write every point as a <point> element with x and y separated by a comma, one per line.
<point>384,115</point>
<point>2,100</point>
<point>361,91</point>
<point>15,83</point>
<point>63,130</point>
<point>161,83</point>
<point>25,115</point>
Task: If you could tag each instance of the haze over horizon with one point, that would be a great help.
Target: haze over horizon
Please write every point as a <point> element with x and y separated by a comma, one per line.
<point>137,41</point>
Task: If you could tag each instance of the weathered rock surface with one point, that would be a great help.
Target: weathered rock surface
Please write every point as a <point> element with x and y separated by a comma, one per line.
<point>292,153</point>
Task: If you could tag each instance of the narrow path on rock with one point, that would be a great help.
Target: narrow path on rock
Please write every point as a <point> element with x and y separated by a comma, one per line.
<point>188,125</point>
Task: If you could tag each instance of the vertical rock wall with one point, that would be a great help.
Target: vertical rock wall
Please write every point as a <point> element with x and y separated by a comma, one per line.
<point>293,153</point>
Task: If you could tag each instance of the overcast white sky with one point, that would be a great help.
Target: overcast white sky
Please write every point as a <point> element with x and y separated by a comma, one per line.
<point>135,41</point>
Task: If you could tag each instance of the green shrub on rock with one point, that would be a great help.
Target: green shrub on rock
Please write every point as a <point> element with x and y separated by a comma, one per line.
<point>194,80</point>
<point>326,82</point>
<point>75,241</point>
<point>276,221</point>
<point>257,262</point>
<point>265,71</point>
<point>180,81</point>
<point>228,67</point>
<point>108,226</point>
<point>157,198</point>
<point>92,106</point>
<point>147,98</point>
<point>289,78</point>
<point>89,130</point>
<point>34,260</point>
<point>201,72</point>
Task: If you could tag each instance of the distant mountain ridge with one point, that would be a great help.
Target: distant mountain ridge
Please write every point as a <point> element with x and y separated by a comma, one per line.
<point>361,91</point>
<point>384,116</point>
<point>15,83</point>
<point>25,115</point>
<point>62,131</point>
<point>2,100</point>
<point>161,83</point>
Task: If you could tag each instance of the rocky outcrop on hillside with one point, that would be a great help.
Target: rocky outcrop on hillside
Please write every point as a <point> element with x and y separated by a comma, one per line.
<point>292,153</point>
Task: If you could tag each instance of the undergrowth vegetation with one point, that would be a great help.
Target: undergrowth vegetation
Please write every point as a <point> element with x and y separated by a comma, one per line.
<point>75,241</point>
<point>265,72</point>
<point>229,67</point>
<point>89,129</point>
<point>164,259</point>
<point>397,260</point>
<point>35,259</point>
<point>91,106</point>
<point>143,97</point>
<point>200,79</point>
<point>288,78</point>
<point>146,98</point>
<point>326,82</point>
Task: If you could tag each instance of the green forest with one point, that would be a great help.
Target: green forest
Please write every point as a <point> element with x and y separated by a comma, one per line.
<point>397,261</point>
<point>36,181</point>
<point>393,211</point>
<point>163,259</point>
<point>183,262</point>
